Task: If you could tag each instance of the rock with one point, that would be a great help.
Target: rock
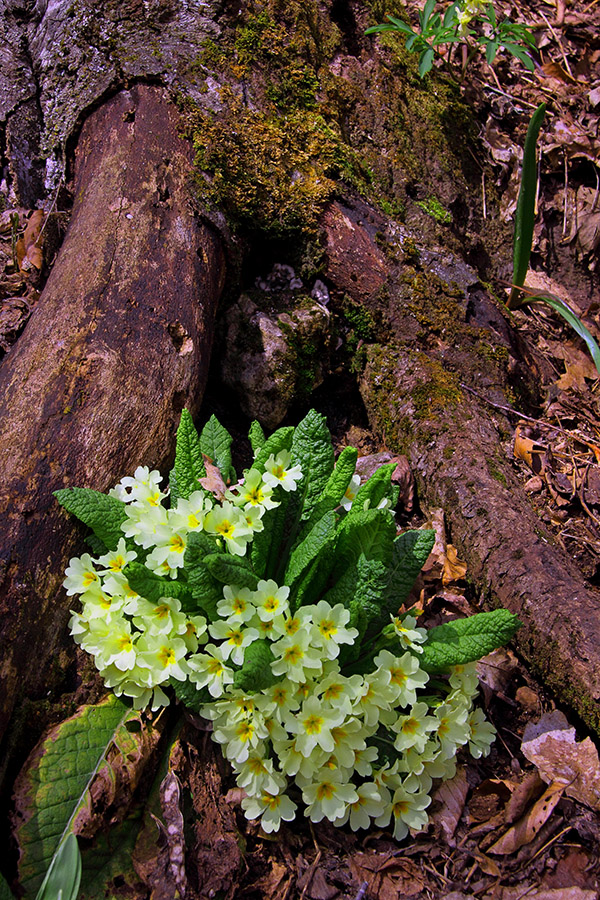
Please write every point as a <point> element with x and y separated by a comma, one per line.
<point>273,358</point>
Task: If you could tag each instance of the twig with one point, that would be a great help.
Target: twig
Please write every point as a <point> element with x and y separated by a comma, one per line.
<point>52,205</point>
<point>515,412</point>
<point>483,195</point>
<point>557,39</point>
<point>565,196</point>
<point>362,891</point>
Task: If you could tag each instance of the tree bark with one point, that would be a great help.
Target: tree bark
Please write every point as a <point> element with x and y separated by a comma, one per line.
<point>118,344</point>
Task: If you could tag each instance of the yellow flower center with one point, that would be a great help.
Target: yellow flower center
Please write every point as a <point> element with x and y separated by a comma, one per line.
<point>325,791</point>
<point>293,655</point>
<point>271,604</point>
<point>292,625</point>
<point>225,528</point>
<point>192,521</point>
<point>398,676</point>
<point>327,628</point>
<point>124,642</point>
<point>89,578</point>
<point>166,656</point>
<point>177,544</point>
<point>410,726</point>
<point>116,563</point>
<point>400,807</point>
<point>313,724</point>
<point>245,731</point>
<point>333,692</point>
<point>162,611</point>
<point>214,666</point>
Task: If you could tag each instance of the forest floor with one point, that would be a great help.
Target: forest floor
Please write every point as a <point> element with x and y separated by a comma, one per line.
<point>521,822</point>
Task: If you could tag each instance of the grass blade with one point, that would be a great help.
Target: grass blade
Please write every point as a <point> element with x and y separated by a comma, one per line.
<point>576,324</point>
<point>525,214</point>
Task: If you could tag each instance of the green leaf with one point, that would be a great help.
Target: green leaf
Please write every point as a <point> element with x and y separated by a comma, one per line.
<point>56,784</point>
<point>235,570</point>
<point>64,875</point>
<point>576,324</point>
<point>5,891</point>
<point>370,532</point>
<point>257,437</point>
<point>409,555</point>
<point>336,486</point>
<point>188,694</point>
<point>189,465</point>
<point>108,859</point>
<point>466,640</point>
<point>205,588</point>
<point>103,514</point>
<point>256,674</point>
<point>265,548</point>
<point>312,448</point>
<point>426,62</point>
<point>320,535</point>
<point>215,442</point>
<point>362,589</point>
<point>279,440</point>
<point>377,488</point>
<point>525,214</point>
<point>154,587</point>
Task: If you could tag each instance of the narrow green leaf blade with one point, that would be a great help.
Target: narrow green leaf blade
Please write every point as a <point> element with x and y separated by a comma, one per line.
<point>525,213</point>
<point>312,448</point>
<point>64,875</point>
<point>306,552</point>
<point>576,324</point>
<point>103,514</point>
<point>56,783</point>
<point>205,588</point>
<point>466,640</point>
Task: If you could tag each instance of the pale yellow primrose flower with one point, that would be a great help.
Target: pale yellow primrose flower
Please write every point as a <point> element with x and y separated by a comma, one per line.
<point>351,492</point>
<point>229,523</point>
<point>313,726</point>
<point>277,471</point>
<point>270,600</point>
<point>272,809</point>
<point>369,805</point>
<point>237,604</point>
<point>403,674</point>
<point>235,639</point>
<point>81,575</point>
<point>254,492</point>
<point>297,658</point>
<point>209,669</point>
<point>328,795</point>
<point>116,560</point>
<point>329,628</point>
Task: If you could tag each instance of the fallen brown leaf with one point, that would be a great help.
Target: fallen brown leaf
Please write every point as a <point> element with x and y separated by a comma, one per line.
<point>526,828</point>
<point>213,480</point>
<point>551,745</point>
<point>451,796</point>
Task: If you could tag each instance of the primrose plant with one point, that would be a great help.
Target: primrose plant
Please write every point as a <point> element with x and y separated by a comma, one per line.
<point>270,606</point>
<point>471,23</point>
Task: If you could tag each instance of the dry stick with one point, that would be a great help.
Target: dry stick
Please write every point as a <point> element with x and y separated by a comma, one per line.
<point>557,39</point>
<point>515,412</point>
<point>565,196</point>
<point>362,891</point>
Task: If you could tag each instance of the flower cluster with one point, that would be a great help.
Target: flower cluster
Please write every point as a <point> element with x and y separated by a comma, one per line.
<point>359,735</point>
<point>138,646</point>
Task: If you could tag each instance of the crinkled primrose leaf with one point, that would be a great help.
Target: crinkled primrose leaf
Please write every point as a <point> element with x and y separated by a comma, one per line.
<point>272,606</point>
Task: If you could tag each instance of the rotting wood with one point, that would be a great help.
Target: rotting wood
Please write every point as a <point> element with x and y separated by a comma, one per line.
<point>118,344</point>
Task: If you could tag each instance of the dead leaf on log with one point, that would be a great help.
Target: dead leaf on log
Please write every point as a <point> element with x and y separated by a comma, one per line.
<point>526,828</point>
<point>570,893</point>
<point>551,745</point>
<point>388,877</point>
<point>454,568</point>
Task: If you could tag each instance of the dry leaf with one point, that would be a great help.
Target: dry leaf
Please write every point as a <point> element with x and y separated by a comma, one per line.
<point>213,480</point>
<point>551,745</point>
<point>489,798</point>
<point>170,801</point>
<point>555,70</point>
<point>451,795</point>
<point>454,568</point>
<point>530,451</point>
<point>526,828</point>
<point>569,893</point>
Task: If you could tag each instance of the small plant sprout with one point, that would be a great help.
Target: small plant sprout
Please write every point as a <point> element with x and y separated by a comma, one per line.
<point>470,23</point>
<point>520,295</point>
<point>287,637</point>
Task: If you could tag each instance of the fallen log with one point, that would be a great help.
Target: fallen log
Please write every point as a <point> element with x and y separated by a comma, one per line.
<point>440,332</point>
<point>118,344</point>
